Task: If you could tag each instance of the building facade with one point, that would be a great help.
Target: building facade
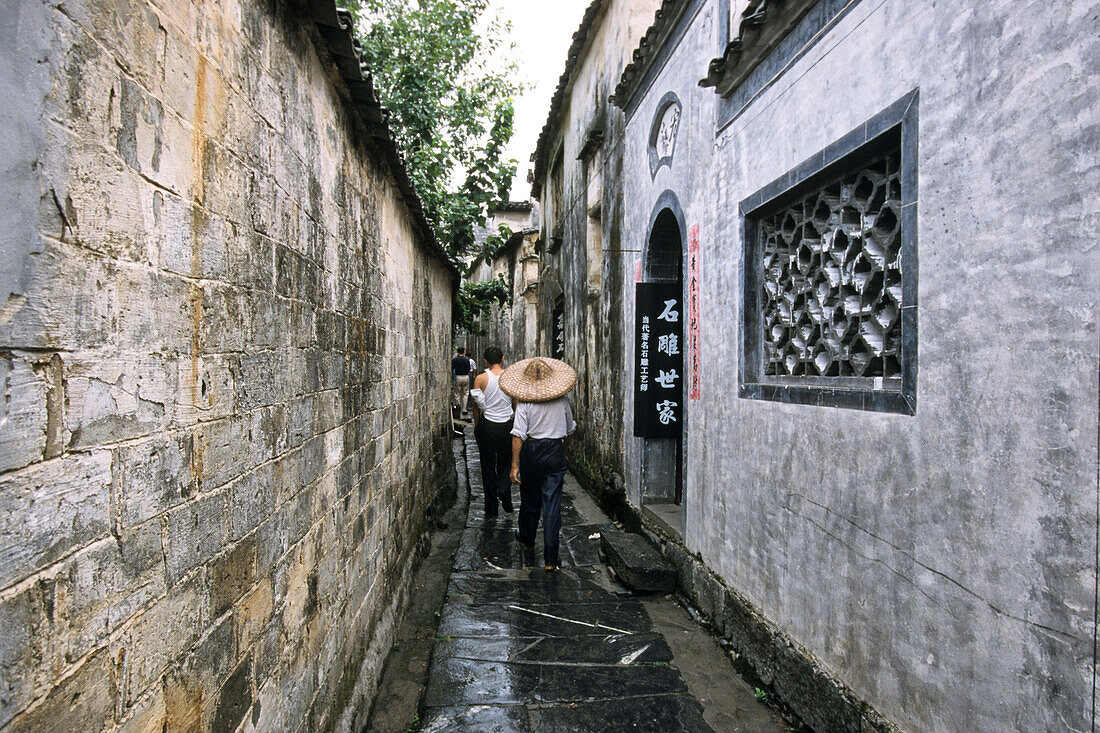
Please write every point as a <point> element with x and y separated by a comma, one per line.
<point>869,229</point>
<point>578,168</point>
<point>512,327</point>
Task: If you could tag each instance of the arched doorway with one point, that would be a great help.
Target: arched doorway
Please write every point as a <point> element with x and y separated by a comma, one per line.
<point>663,458</point>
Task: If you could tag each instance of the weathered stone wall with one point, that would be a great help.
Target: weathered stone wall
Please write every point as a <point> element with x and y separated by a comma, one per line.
<point>223,374</point>
<point>582,260</point>
<point>942,565</point>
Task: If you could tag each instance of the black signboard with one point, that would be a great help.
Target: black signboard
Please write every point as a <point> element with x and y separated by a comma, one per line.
<point>658,360</point>
<point>557,346</point>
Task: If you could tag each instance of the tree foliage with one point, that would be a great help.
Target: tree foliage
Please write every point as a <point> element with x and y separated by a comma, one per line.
<point>436,64</point>
<point>475,300</point>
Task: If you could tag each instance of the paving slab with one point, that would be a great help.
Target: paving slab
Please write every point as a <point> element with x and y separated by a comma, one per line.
<point>526,650</point>
<point>665,713</point>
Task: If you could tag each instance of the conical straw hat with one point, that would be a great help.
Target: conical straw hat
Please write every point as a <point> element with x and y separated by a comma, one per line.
<point>539,379</point>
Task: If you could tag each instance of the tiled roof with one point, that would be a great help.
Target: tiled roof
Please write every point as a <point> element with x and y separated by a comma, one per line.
<point>519,207</point>
<point>763,24</point>
<point>335,27</point>
<point>546,137</point>
<point>663,21</point>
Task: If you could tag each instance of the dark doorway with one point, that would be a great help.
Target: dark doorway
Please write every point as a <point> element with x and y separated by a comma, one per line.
<point>665,263</point>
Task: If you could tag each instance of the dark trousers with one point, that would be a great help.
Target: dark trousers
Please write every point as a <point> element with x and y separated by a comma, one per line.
<point>494,443</point>
<point>542,473</point>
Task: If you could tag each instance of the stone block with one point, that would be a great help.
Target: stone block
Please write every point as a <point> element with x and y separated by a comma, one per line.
<point>148,715</point>
<point>206,388</point>
<point>22,413</point>
<point>83,701</point>
<point>253,613</point>
<point>750,635</point>
<point>106,198</point>
<point>251,501</point>
<point>709,594</point>
<point>195,533</point>
<point>57,309</point>
<point>110,400</point>
<point>191,685</point>
<point>235,698</point>
<point>24,636</point>
<point>818,699</point>
<point>226,449</point>
<point>231,574</point>
<point>161,313</point>
<point>224,311</point>
<point>76,490</point>
<point>256,379</point>
<point>153,476</point>
<point>636,563</point>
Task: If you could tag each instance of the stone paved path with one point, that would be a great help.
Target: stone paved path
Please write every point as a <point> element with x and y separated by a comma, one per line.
<point>522,649</point>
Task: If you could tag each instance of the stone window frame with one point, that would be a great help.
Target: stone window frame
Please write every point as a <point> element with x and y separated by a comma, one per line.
<point>896,126</point>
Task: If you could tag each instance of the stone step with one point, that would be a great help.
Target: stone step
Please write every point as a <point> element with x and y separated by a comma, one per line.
<point>635,561</point>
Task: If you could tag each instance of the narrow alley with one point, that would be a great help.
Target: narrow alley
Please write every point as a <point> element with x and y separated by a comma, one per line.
<point>802,293</point>
<point>522,649</point>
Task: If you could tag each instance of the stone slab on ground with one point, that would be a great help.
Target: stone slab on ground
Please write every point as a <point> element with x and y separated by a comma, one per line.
<point>520,648</point>
<point>636,562</point>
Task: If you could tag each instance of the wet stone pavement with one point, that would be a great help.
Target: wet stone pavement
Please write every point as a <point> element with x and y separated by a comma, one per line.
<point>523,649</point>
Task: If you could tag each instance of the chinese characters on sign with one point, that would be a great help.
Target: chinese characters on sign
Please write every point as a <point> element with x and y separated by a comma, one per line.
<point>558,329</point>
<point>659,363</point>
<point>693,308</point>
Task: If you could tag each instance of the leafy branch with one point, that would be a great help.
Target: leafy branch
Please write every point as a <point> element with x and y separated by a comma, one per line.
<point>437,67</point>
<point>475,300</point>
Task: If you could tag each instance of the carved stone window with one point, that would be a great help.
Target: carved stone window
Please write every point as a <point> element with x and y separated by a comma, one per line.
<point>831,293</point>
<point>663,132</point>
<point>830,277</point>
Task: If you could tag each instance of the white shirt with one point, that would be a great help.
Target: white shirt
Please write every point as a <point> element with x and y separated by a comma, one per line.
<point>541,420</point>
<point>495,406</point>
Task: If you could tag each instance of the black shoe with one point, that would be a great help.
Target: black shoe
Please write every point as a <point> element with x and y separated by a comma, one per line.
<point>519,539</point>
<point>491,515</point>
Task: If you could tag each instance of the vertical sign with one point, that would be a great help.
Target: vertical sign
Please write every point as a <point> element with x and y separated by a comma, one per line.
<point>658,360</point>
<point>557,345</point>
<point>693,309</point>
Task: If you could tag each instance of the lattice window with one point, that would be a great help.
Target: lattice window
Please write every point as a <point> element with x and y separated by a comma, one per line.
<point>830,273</point>
<point>832,278</point>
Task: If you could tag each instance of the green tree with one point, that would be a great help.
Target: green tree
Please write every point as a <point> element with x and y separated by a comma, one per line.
<point>437,68</point>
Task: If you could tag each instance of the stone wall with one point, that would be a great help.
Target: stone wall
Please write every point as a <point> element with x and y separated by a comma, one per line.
<point>223,349</point>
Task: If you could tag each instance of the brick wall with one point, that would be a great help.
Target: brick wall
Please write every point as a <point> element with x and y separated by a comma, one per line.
<point>223,364</point>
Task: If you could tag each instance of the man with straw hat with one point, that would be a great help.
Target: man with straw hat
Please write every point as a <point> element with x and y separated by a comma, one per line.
<point>541,428</point>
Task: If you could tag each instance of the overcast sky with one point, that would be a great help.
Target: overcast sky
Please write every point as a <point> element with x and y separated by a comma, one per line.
<point>542,32</point>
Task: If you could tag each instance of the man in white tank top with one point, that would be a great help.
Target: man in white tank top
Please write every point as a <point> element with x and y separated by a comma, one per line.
<point>492,429</point>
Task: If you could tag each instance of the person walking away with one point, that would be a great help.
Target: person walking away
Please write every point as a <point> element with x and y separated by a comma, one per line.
<point>460,380</point>
<point>541,428</point>
<point>492,410</point>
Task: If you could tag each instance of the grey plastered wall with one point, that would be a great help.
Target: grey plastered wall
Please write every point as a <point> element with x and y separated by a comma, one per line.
<point>223,416</point>
<point>942,565</point>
